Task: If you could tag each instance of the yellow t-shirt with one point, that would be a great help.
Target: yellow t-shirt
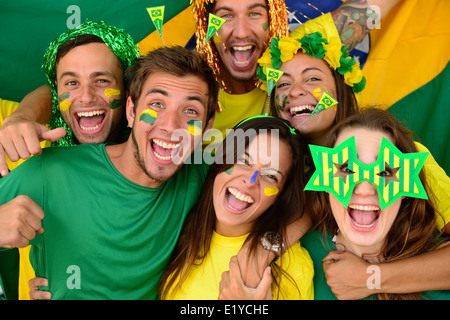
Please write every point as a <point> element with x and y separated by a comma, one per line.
<point>203,281</point>
<point>26,272</point>
<point>439,184</point>
<point>235,108</point>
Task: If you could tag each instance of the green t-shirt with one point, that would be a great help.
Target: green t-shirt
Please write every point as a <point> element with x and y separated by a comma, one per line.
<point>105,236</point>
<point>318,247</point>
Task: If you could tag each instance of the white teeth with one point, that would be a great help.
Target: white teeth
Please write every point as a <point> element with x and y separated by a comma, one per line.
<point>364,225</point>
<point>90,113</point>
<point>298,109</point>
<point>242,48</point>
<point>89,128</point>
<point>161,157</point>
<point>165,145</point>
<point>240,196</point>
<point>363,207</point>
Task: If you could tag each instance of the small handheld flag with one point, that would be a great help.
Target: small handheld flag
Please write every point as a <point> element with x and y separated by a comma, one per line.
<point>157,16</point>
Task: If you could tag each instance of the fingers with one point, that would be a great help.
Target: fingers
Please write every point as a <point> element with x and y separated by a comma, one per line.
<point>3,166</point>
<point>53,135</point>
<point>333,256</point>
<point>266,282</point>
<point>20,140</point>
<point>233,287</point>
<point>35,293</point>
<point>20,220</point>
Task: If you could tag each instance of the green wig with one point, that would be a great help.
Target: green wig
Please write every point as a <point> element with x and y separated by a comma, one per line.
<point>118,40</point>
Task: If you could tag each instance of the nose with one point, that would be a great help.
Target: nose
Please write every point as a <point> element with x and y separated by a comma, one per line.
<point>251,177</point>
<point>241,28</point>
<point>365,188</point>
<point>87,94</point>
<point>169,121</point>
<point>297,90</point>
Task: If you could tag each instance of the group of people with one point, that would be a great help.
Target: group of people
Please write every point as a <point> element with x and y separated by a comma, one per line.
<point>107,213</point>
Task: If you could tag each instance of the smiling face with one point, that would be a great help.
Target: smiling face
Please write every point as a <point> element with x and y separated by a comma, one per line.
<point>167,104</point>
<point>241,39</point>
<point>245,191</point>
<point>363,226</point>
<point>89,82</point>
<point>298,91</point>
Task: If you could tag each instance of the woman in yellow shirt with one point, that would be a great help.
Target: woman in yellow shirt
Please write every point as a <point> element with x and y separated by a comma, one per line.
<point>248,193</point>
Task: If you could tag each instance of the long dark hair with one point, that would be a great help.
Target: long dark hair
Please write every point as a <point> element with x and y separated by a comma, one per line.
<point>195,238</point>
<point>414,229</point>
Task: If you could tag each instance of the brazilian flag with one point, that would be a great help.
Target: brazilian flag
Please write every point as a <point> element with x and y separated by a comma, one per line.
<point>407,69</point>
<point>28,26</point>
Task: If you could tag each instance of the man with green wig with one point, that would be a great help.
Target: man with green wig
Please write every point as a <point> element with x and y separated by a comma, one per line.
<point>84,67</point>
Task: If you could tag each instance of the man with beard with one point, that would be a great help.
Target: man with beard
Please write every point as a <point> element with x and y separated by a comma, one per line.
<point>84,67</point>
<point>112,213</point>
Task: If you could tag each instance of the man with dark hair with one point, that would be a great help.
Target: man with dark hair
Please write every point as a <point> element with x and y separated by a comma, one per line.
<point>131,199</point>
<point>84,67</point>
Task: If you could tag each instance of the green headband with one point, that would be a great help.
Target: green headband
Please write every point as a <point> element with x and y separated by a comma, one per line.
<point>118,40</point>
<point>292,130</point>
<point>394,173</point>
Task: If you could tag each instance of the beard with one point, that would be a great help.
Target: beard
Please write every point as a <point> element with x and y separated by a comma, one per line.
<point>141,163</point>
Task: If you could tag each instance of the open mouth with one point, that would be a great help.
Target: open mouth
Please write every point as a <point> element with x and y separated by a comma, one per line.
<point>237,200</point>
<point>164,151</point>
<point>90,121</point>
<point>364,217</point>
<point>242,55</point>
<point>303,110</point>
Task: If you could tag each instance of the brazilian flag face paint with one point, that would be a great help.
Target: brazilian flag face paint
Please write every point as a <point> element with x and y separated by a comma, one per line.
<point>148,116</point>
<point>111,92</point>
<point>395,174</point>
<point>195,127</point>
<point>64,105</point>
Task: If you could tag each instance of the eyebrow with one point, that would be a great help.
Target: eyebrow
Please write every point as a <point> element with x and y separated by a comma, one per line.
<point>265,169</point>
<point>92,75</point>
<point>252,6</point>
<point>304,71</point>
<point>273,169</point>
<point>166,94</point>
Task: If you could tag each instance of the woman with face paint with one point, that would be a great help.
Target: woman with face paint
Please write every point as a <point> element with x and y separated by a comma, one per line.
<point>315,68</point>
<point>318,89</point>
<point>251,193</point>
<point>376,201</point>
<point>251,189</point>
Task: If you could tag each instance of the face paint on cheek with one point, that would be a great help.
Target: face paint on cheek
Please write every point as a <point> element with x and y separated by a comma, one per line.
<point>115,103</point>
<point>277,103</point>
<point>64,105</point>
<point>111,92</point>
<point>195,127</point>
<point>229,171</point>
<point>271,191</point>
<point>317,92</point>
<point>265,25</point>
<point>217,38</point>
<point>148,116</point>
<point>285,101</point>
